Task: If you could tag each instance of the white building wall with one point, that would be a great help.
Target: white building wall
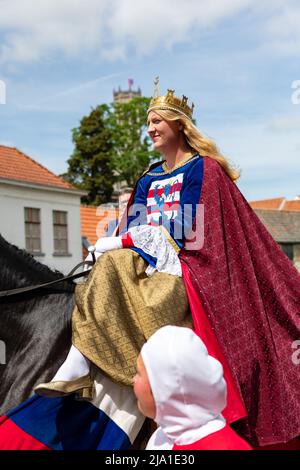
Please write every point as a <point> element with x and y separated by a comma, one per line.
<point>13,200</point>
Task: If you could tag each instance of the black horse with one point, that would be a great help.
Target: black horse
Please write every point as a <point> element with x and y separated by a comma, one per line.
<point>35,327</point>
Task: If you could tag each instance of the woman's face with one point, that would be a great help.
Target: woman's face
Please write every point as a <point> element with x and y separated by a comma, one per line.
<point>142,390</point>
<point>164,134</point>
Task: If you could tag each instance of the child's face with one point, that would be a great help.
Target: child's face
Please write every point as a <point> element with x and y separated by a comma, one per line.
<point>142,390</point>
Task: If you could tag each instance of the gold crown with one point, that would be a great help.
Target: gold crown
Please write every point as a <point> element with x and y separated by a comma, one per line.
<point>170,102</point>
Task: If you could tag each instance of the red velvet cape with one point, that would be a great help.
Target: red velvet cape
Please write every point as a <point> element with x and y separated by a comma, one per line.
<point>244,296</point>
<point>250,293</point>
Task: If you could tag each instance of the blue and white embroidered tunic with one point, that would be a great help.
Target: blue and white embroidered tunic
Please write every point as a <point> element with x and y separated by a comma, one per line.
<point>163,211</point>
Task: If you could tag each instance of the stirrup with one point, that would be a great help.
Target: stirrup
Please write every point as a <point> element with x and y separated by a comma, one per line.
<point>82,385</point>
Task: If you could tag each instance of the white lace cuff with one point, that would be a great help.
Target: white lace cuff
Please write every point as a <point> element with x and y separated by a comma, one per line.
<point>153,242</point>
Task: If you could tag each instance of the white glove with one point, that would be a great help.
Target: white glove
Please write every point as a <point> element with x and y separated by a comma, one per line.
<point>90,257</point>
<point>107,244</point>
<point>101,246</point>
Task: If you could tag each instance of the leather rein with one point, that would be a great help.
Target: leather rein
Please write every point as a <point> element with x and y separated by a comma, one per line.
<point>69,277</point>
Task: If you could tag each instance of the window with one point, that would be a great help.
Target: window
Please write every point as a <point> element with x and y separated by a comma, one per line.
<point>288,249</point>
<point>60,232</point>
<point>33,229</point>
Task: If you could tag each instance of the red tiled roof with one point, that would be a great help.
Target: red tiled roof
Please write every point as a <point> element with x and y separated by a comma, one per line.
<point>15,165</point>
<point>293,205</point>
<point>279,203</point>
<point>267,203</point>
<point>94,221</point>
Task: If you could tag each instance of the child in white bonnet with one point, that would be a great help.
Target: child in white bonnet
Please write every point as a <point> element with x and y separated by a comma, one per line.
<point>181,387</point>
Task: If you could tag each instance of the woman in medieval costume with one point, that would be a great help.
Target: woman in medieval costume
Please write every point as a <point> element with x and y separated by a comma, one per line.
<point>189,243</point>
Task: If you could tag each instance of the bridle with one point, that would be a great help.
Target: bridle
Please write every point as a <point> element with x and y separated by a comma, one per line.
<point>69,277</point>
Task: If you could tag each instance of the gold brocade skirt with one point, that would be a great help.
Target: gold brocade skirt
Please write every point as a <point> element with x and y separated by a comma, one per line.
<point>119,307</point>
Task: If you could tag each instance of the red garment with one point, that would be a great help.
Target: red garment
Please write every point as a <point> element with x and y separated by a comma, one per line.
<point>235,408</point>
<point>250,293</point>
<point>127,241</point>
<point>224,439</point>
<point>12,437</point>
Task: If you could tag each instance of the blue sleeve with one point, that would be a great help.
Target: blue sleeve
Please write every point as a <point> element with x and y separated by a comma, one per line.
<point>189,198</point>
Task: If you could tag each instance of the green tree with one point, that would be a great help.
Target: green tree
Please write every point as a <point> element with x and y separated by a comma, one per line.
<point>131,145</point>
<point>111,144</point>
<point>89,167</point>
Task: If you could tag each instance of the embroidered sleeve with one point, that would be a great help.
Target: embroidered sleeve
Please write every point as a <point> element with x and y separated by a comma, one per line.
<point>153,242</point>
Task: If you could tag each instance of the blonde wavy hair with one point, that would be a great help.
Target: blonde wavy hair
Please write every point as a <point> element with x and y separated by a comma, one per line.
<point>197,141</point>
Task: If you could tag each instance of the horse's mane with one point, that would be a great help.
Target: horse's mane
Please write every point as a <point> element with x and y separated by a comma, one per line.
<point>21,267</point>
<point>34,326</point>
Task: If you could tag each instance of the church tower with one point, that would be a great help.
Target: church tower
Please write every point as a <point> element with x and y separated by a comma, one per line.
<point>123,96</point>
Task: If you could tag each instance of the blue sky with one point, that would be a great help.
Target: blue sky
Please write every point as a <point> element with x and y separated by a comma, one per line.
<point>235,59</point>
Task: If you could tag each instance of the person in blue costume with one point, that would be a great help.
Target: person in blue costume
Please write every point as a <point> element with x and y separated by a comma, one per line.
<point>136,285</point>
<point>158,269</point>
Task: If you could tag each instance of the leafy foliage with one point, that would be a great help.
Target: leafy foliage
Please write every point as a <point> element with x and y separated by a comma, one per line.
<point>110,145</point>
<point>132,147</point>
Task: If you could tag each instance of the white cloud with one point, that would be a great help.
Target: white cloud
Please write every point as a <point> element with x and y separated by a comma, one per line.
<point>113,29</point>
<point>31,29</point>
<point>151,25</point>
<point>109,28</point>
<point>280,21</point>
